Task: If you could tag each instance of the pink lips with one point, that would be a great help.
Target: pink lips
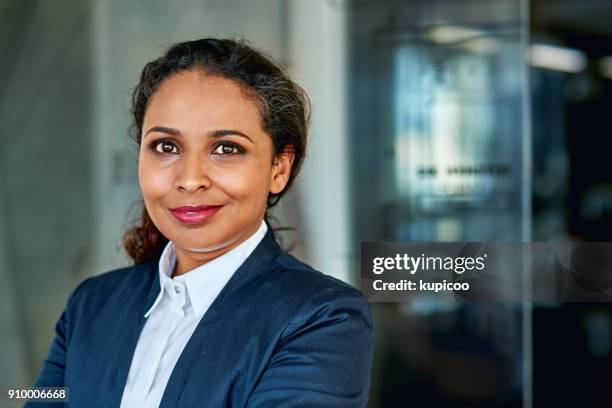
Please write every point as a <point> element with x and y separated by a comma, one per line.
<point>195,214</point>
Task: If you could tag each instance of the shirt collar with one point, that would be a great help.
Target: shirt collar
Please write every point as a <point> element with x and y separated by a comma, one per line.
<point>206,281</point>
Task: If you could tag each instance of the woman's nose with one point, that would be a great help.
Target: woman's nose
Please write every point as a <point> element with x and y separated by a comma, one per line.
<point>192,174</point>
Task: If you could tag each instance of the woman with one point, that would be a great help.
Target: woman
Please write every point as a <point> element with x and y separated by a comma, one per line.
<point>214,313</point>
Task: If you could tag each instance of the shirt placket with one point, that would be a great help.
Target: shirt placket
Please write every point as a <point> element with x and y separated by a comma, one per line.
<point>175,291</point>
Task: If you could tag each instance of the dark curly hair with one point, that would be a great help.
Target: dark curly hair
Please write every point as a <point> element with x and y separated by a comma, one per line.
<point>284,108</point>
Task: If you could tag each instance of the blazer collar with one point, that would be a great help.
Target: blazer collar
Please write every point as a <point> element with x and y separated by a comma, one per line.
<point>266,249</point>
<point>206,281</point>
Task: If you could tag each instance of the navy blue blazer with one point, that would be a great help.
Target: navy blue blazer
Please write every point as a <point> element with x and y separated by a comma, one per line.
<point>280,334</point>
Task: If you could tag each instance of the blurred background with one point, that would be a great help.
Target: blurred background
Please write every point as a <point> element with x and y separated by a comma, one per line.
<point>433,120</point>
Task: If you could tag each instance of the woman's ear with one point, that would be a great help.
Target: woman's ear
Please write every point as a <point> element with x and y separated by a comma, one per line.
<point>281,169</point>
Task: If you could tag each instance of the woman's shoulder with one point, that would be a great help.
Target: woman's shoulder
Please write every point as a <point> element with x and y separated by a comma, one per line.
<point>311,289</point>
<point>305,298</point>
<point>305,278</point>
<point>114,280</point>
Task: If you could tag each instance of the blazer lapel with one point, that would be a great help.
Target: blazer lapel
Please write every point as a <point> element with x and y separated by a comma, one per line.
<point>125,337</point>
<point>210,328</point>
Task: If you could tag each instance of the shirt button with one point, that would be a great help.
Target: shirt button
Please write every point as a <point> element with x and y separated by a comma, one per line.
<point>177,289</point>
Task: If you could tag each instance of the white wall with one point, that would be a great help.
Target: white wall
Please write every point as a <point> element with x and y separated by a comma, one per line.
<point>317,60</point>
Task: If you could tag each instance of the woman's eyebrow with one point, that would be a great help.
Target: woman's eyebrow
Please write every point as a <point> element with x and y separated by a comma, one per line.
<point>214,133</point>
<point>163,129</point>
<point>228,132</point>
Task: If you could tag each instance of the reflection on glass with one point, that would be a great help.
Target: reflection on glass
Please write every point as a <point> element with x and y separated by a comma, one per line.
<point>457,134</point>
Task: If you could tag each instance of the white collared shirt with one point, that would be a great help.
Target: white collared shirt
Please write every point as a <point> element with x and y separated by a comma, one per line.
<point>173,317</point>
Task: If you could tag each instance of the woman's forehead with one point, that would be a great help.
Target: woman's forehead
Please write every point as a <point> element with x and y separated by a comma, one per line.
<point>193,98</point>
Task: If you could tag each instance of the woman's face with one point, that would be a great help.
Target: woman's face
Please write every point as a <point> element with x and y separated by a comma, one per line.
<point>203,145</point>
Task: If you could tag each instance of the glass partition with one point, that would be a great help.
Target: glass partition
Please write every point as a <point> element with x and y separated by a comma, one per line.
<point>439,125</point>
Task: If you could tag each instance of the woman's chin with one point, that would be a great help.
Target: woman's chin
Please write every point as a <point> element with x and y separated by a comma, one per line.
<point>205,246</point>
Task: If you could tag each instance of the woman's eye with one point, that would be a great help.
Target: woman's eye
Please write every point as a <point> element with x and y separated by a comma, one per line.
<point>226,149</point>
<point>165,147</point>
